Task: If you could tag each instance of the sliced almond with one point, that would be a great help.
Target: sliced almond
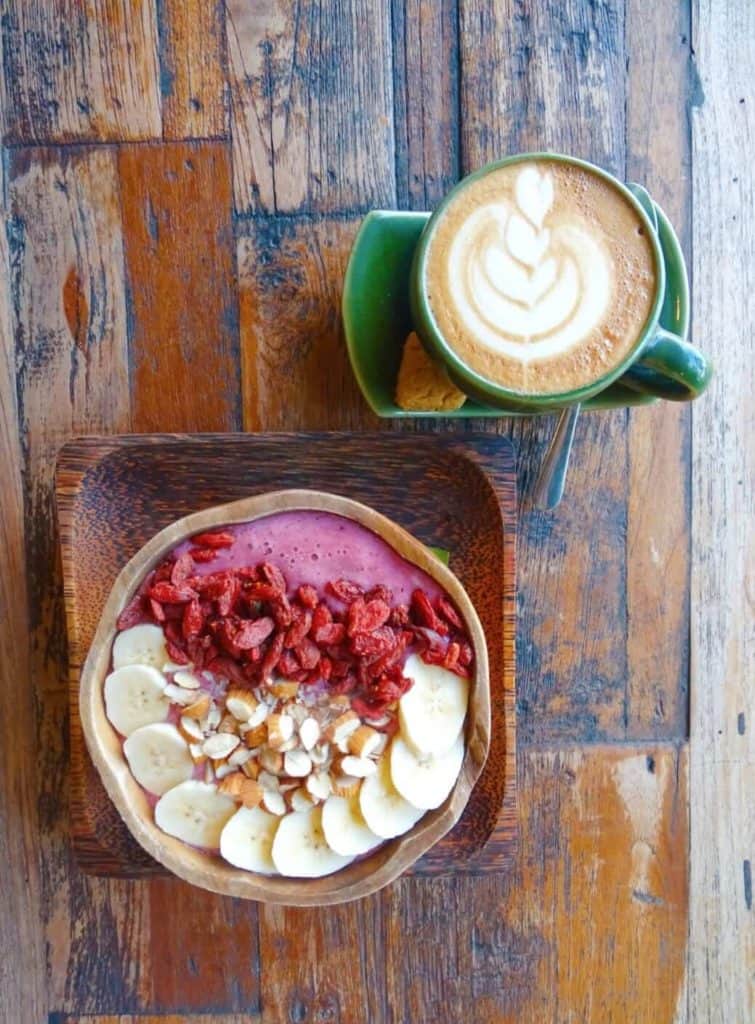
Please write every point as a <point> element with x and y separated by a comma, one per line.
<point>240,756</point>
<point>250,768</point>
<point>273,802</point>
<point>279,729</point>
<point>195,749</point>
<point>256,737</point>
<point>259,715</point>
<point>190,729</point>
<point>309,733</point>
<point>297,763</point>
<point>187,680</point>
<point>251,793</point>
<point>300,800</point>
<point>289,785</point>
<point>342,745</point>
<point>345,785</point>
<point>271,760</point>
<point>299,712</point>
<point>319,785</point>
<point>232,784</point>
<point>320,753</point>
<point>361,767</point>
<point>241,704</point>
<point>284,689</point>
<point>223,769</point>
<point>214,717</point>
<point>199,708</point>
<point>220,745</point>
<point>178,695</point>
<point>382,744</point>
<point>291,744</point>
<point>209,774</point>
<point>269,781</point>
<point>343,727</point>
<point>364,741</point>
<point>229,724</point>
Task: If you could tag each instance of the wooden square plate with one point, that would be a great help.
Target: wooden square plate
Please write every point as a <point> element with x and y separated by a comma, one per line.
<point>114,493</point>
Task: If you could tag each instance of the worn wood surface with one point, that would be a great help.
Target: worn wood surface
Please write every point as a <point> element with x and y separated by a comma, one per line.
<point>722,763</point>
<point>319,111</point>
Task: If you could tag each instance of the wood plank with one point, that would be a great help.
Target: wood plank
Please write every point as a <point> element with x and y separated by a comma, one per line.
<point>659,436</point>
<point>722,938</point>
<point>23,991</point>
<point>603,853</point>
<point>69,309</point>
<point>192,68</point>
<point>426,100</point>
<point>149,1018</point>
<point>183,318</point>
<point>311,105</point>
<point>520,73</point>
<point>77,71</point>
<point>295,371</point>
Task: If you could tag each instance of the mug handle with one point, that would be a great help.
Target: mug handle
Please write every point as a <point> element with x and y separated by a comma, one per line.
<point>668,367</point>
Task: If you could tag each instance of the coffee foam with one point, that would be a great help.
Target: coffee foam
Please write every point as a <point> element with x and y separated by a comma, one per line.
<point>540,277</point>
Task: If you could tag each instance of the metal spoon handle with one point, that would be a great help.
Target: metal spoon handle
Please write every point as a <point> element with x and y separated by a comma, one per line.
<point>549,486</point>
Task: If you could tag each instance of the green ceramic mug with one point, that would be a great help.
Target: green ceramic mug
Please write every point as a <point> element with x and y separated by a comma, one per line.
<point>659,364</point>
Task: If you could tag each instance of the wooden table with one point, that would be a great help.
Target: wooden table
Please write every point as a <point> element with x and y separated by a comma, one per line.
<point>182,182</point>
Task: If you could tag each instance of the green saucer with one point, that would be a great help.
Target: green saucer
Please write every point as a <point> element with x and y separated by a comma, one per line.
<point>377,320</point>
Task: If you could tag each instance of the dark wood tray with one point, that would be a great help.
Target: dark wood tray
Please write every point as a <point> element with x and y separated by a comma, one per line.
<point>114,493</point>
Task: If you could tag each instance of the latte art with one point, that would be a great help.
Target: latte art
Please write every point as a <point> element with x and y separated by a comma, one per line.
<point>524,275</point>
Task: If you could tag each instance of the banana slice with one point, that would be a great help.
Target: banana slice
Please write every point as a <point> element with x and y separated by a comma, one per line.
<point>159,757</point>
<point>300,849</point>
<point>344,827</point>
<point>195,812</point>
<point>425,781</point>
<point>247,840</point>
<point>432,712</point>
<point>385,811</point>
<point>140,645</point>
<point>135,696</point>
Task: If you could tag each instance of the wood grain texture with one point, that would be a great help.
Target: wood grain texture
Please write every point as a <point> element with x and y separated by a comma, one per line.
<point>75,71</point>
<point>722,937</point>
<point>295,370</point>
<point>604,849</point>
<point>426,100</point>
<point>111,501</point>
<point>69,328</point>
<point>176,202</point>
<point>311,105</point>
<point>191,37</point>
<point>658,527</point>
<point>23,991</point>
<point>151,1018</point>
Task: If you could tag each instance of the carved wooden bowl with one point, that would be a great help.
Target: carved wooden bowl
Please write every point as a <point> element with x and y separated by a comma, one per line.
<point>358,879</point>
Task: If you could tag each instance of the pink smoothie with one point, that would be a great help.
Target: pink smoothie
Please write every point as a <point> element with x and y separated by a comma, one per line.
<point>317,547</point>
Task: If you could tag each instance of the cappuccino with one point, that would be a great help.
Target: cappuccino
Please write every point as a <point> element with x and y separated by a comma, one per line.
<point>540,276</point>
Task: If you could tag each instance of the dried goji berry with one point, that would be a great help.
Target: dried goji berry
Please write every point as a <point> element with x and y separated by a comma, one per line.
<point>176,653</point>
<point>262,592</point>
<point>173,612</point>
<point>288,663</point>
<point>449,613</point>
<point>452,656</point>
<point>375,644</point>
<point>344,684</point>
<point>325,667</point>
<point>274,576</point>
<point>365,708</point>
<point>133,614</point>
<point>227,599</point>
<point>173,632</point>
<point>163,572</point>
<point>156,609</point>
<point>252,633</point>
<point>193,620</point>
<point>308,654</point>
<point>330,633</point>
<point>203,554</point>
<point>321,616</point>
<point>339,668</point>
<point>183,567</point>
<point>272,656</point>
<point>166,593</point>
<point>221,666</point>
<point>225,633</point>
<point>213,540</point>
<point>366,616</point>
<point>380,593</point>
<point>281,610</point>
<point>302,620</point>
<point>399,615</point>
<point>344,590</point>
<point>307,595</point>
<point>392,657</point>
<point>466,655</point>
<point>425,614</point>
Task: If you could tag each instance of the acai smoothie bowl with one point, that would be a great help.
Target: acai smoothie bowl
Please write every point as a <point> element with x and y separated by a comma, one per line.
<point>287,698</point>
